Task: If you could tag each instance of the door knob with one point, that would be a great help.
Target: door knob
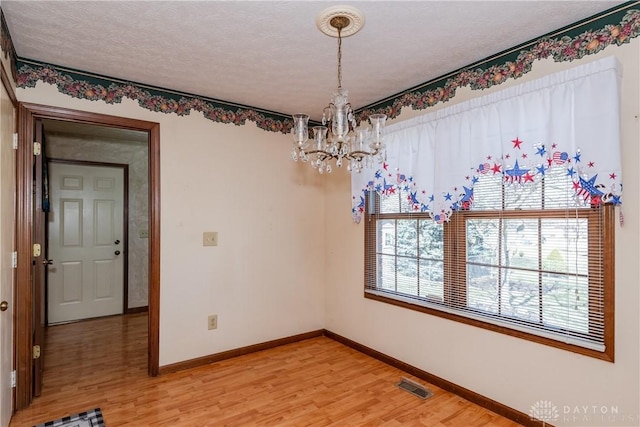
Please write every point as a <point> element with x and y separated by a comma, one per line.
<point>47,261</point>
<point>117,252</point>
<point>4,305</point>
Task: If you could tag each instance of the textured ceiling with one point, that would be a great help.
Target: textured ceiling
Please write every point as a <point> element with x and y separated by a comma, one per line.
<point>270,54</point>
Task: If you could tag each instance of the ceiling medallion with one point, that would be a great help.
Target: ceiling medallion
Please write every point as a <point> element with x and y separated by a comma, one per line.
<point>354,21</point>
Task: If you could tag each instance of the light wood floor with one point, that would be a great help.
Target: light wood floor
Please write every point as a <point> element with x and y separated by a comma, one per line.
<point>317,382</point>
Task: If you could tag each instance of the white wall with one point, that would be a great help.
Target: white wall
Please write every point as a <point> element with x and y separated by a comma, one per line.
<point>265,279</point>
<point>290,261</point>
<point>509,370</point>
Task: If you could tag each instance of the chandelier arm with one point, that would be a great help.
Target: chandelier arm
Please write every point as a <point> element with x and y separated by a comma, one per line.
<point>322,154</point>
<point>361,154</point>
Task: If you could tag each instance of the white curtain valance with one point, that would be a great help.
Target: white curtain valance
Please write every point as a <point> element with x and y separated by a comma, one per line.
<point>569,119</point>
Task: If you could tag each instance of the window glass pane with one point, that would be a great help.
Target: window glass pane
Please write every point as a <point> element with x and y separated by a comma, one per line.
<point>386,268</point>
<point>520,243</point>
<point>520,295</point>
<point>565,302</point>
<point>396,202</point>
<point>482,288</point>
<point>554,191</point>
<point>407,276</point>
<point>559,192</point>
<point>565,244</point>
<point>432,280</point>
<point>431,239</point>
<point>519,196</point>
<point>407,237</point>
<point>482,241</point>
<point>487,192</point>
<point>386,233</point>
<point>390,203</point>
<point>405,206</point>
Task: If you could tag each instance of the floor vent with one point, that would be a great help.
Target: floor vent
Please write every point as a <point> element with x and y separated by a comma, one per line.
<point>414,388</point>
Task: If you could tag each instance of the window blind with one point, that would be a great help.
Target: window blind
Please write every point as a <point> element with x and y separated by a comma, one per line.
<point>499,211</point>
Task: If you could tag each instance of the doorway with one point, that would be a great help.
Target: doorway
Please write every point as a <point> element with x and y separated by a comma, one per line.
<point>87,242</point>
<point>27,295</point>
<point>89,150</point>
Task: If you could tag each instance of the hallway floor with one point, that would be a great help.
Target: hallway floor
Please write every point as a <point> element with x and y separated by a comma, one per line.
<point>317,382</point>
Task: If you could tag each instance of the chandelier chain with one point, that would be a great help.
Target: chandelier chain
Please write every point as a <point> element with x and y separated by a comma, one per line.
<point>339,58</point>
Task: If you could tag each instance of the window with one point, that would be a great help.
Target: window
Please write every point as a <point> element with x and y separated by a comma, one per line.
<point>530,260</point>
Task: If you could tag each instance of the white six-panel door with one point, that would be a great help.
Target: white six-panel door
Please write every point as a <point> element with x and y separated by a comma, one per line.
<point>85,242</point>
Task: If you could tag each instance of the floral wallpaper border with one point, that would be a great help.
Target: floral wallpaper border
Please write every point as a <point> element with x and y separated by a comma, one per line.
<point>94,88</point>
<point>613,27</point>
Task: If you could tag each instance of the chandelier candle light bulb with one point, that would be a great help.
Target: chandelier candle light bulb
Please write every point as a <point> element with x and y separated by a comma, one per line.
<point>377,122</point>
<point>300,126</point>
<point>320,136</point>
<point>338,138</point>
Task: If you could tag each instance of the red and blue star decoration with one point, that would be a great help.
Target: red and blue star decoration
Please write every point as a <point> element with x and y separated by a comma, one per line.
<point>524,164</point>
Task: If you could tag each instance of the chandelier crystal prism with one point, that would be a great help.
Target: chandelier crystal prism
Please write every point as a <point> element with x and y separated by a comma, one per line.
<point>339,137</point>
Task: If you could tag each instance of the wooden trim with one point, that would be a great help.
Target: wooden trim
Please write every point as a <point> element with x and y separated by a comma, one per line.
<point>153,364</point>
<point>87,163</point>
<point>134,310</point>
<point>39,268</point>
<point>77,116</point>
<point>125,239</point>
<point>205,360</point>
<point>23,287</point>
<point>6,82</point>
<point>7,85</point>
<point>608,236</point>
<point>24,297</point>
<point>471,396</point>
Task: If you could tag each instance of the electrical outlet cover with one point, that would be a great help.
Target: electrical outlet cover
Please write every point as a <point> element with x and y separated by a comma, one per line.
<point>210,238</point>
<point>212,321</point>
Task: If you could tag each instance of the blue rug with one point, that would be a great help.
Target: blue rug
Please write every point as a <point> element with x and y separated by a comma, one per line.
<point>91,418</point>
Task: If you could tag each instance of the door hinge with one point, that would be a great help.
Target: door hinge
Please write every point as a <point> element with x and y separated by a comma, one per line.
<point>37,148</point>
<point>13,379</point>
<point>14,259</point>
<point>36,352</point>
<point>15,141</point>
<point>36,250</point>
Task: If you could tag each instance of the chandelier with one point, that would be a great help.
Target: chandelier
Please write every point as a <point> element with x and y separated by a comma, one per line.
<point>339,138</point>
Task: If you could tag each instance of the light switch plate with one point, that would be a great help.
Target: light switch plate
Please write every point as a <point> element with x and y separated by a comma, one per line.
<point>210,238</point>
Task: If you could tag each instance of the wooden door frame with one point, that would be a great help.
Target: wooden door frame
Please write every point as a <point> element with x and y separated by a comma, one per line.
<point>39,271</point>
<point>27,113</point>
<point>125,226</point>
